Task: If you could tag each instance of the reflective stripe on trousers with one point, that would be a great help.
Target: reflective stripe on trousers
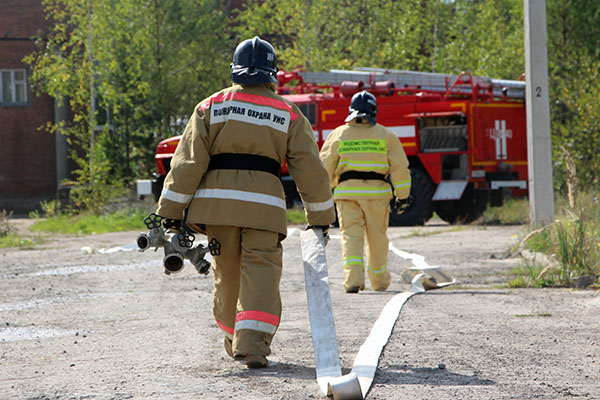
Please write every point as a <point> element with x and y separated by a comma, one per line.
<point>360,219</point>
<point>246,280</point>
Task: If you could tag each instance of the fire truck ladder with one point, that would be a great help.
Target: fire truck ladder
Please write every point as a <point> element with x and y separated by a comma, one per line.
<point>463,84</point>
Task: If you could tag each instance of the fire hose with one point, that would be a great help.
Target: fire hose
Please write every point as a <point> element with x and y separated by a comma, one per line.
<point>356,384</point>
<point>177,246</point>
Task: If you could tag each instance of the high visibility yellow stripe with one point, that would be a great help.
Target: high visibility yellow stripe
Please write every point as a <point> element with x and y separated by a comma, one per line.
<point>377,271</point>
<point>352,261</point>
<point>362,191</point>
<point>401,184</point>
<point>367,165</point>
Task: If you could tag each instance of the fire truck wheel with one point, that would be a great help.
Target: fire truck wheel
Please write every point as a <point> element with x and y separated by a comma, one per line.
<point>420,206</point>
<point>466,210</point>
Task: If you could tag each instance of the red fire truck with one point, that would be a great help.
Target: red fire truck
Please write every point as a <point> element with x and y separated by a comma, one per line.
<point>465,136</point>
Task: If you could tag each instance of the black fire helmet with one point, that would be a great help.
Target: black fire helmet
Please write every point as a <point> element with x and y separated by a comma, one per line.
<point>363,105</point>
<point>254,62</point>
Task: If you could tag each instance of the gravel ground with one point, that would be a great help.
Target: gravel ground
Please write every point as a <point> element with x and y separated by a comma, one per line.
<point>85,325</point>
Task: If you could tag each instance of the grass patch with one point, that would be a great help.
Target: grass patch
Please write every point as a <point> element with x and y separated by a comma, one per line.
<point>17,241</point>
<point>514,211</point>
<point>542,242</point>
<point>295,216</point>
<point>123,220</point>
<point>529,275</point>
<point>9,236</point>
<point>572,239</point>
<point>518,282</point>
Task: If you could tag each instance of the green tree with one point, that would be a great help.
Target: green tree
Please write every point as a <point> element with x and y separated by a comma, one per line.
<point>328,34</point>
<point>148,62</point>
<point>485,38</point>
<point>574,65</point>
<point>132,72</point>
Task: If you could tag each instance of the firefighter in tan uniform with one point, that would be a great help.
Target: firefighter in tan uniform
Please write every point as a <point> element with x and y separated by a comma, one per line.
<point>226,172</point>
<point>358,157</point>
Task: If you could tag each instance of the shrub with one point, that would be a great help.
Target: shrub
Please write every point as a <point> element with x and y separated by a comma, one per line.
<point>6,228</point>
<point>573,240</point>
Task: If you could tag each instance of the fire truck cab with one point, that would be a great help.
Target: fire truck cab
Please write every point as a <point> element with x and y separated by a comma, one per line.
<point>464,136</point>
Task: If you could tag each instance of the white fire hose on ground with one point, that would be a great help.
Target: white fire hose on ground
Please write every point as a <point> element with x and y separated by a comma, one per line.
<point>357,383</point>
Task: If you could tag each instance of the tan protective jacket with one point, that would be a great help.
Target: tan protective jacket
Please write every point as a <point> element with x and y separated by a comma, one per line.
<point>367,148</point>
<point>245,120</point>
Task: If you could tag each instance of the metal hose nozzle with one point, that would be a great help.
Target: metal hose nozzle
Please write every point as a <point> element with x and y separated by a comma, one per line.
<point>173,263</point>
<point>143,242</point>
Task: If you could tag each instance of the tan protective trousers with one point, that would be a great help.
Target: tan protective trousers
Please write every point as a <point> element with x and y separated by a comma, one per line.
<point>247,304</point>
<point>360,219</point>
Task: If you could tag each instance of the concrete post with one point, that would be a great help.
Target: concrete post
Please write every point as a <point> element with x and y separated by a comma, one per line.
<point>539,148</point>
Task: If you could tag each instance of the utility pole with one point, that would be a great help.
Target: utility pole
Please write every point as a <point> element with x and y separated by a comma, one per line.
<point>539,146</point>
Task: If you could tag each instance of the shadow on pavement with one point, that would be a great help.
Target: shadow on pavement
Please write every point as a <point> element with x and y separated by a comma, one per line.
<point>276,369</point>
<point>407,375</point>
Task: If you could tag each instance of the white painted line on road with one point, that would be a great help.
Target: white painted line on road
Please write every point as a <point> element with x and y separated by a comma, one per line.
<point>30,332</point>
<point>126,247</point>
<point>55,301</point>
<point>77,269</point>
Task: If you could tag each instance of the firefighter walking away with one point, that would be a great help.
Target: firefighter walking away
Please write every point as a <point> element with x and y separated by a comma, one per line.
<point>226,172</point>
<point>359,156</point>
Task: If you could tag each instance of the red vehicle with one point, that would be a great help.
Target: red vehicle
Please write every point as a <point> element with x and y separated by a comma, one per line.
<point>465,136</point>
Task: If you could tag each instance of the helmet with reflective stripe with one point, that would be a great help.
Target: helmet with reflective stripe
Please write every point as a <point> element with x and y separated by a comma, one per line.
<point>363,105</point>
<point>254,62</point>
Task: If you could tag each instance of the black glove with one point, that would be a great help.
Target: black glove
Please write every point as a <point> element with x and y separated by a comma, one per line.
<point>324,228</point>
<point>172,224</point>
<point>401,205</point>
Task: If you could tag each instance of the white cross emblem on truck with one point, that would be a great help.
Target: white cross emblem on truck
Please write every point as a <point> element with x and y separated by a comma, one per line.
<point>499,134</point>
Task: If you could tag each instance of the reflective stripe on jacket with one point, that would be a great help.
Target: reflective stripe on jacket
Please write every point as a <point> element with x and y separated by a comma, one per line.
<point>366,148</point>
<point>245,120</point>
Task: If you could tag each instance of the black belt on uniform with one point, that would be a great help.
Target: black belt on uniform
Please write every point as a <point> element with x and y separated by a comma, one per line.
<point>251,162</point>
<point>361,175</point>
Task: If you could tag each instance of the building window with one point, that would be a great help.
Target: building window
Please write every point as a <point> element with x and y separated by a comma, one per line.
<point>13,87</point>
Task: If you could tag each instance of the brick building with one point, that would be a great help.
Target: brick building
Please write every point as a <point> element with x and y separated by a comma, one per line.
<point>28,156</point>
<point>32,161</point>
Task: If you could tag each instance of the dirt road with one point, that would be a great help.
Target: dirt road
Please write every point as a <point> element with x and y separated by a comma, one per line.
<point>111,326</point>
